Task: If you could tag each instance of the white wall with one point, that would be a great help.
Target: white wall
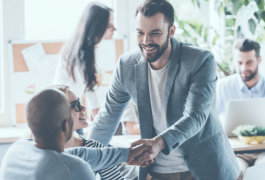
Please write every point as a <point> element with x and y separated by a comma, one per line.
<point>125,20</point>
<point>54,19</point>
<point>1,61</point>
<point>22,22</point>
<point>13,28</point>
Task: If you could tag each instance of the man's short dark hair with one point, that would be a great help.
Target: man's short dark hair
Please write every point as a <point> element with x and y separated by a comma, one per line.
<point>246,45</point>
<point>151,7</point>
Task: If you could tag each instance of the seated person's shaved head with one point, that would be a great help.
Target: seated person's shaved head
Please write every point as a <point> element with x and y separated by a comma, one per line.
<point>48,113</point>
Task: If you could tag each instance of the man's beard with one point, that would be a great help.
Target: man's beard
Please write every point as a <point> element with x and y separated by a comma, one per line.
<point>158,54</point>
<point>251,76</point>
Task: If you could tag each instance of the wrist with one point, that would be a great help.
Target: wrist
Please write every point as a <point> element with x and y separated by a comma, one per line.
<point>160,142</point>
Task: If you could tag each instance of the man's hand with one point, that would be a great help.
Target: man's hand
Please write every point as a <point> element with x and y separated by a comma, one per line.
<point>157,144</point>
<point>140,155</point>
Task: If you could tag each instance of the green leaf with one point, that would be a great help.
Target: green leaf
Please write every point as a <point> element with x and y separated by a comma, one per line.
<point>252,25</point>
<point>257,15</point>
<point>181,24</point>
<point>229,32</point>
<point>246,2</point>
<point>239,33</point>
<point>262,15</point>
<point>230,22</point>
<point>221,10</point>
<point>227,12</point>
<point>205,37</point>
<point>260,4</point>
<point>215,39</point>
<point>249,130</point>
<point>236,5</point>
<point>198,3</point>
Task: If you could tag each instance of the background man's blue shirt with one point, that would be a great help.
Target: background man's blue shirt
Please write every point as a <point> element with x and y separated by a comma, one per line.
<point>232,87</point>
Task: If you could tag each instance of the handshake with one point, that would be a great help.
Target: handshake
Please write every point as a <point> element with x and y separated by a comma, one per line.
<point>144,151</point>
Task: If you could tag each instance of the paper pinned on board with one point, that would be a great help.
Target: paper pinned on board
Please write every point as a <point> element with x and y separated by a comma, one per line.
<point>32,55</point>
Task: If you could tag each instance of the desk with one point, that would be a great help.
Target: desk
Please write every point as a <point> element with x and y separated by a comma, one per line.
<point>12,134</point>
<point>237,145</point>
<point>240,147</point>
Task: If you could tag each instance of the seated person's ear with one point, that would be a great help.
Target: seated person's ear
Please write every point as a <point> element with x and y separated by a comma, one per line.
<point>63,126</point>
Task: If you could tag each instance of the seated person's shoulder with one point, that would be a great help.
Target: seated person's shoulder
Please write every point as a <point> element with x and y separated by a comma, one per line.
<point>76,166</point>
<point>72,161</point>
<point>20,147</point>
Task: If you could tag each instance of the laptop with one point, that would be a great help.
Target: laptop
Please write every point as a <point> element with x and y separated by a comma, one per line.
<point>244,112</point>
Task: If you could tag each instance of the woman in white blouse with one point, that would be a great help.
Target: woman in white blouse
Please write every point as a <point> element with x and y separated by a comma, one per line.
<point>76,68</point>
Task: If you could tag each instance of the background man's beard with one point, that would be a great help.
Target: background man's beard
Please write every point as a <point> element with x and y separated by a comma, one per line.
<point>251,76</point>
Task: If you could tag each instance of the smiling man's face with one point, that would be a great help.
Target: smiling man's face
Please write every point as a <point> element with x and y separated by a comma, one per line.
<point>152,35</point>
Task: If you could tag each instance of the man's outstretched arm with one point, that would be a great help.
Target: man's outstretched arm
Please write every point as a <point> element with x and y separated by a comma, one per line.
<point>100,158</point>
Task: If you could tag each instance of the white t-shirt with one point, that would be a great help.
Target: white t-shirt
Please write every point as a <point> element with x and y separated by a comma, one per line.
<point>130,114</point>
<point>173,162</point>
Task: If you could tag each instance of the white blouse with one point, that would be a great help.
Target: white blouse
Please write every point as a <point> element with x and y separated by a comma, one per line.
<point>62,77</point>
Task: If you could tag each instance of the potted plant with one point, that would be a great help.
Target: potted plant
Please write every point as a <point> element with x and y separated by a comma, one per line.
<point>250,133</point>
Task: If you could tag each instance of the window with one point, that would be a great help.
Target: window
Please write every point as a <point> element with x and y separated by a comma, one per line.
<point>54,20</point>
<point>1,60</point>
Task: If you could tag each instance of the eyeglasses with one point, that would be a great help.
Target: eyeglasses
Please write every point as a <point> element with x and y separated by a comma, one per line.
<point>76,105</point>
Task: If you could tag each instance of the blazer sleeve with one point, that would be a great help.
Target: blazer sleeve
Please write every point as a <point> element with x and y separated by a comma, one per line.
<point>110,113</point>
<point>199,103</point>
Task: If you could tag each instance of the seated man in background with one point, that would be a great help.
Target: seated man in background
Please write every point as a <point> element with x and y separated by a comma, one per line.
<point>246,83</point>
<point>49,118</point>
<point>130,120</point>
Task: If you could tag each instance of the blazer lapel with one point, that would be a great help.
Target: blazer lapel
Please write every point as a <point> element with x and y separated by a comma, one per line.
<point>143,99</point>
<point>173,67</point>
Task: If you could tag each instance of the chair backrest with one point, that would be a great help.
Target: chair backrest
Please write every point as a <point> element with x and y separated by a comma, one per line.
<point>256,172</point>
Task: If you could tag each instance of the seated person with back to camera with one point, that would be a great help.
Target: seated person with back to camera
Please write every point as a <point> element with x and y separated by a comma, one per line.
<point>50,120</point>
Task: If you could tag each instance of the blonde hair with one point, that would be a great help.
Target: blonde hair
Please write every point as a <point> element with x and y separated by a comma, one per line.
<point>62,88</point>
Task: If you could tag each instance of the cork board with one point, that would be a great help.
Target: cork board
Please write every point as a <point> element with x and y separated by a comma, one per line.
<point>18,59</point>
<point>19,66</point>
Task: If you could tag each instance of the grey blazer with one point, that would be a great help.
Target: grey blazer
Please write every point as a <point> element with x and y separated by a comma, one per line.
<point>193,127</point>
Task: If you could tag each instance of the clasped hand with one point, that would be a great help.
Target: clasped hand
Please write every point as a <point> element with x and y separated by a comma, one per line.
<point>144,151</point>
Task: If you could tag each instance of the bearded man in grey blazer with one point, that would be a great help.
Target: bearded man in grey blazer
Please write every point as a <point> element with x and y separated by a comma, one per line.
<point>173,85</point>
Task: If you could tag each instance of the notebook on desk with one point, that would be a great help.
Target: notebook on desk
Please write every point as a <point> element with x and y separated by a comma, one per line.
<point>244,112</point>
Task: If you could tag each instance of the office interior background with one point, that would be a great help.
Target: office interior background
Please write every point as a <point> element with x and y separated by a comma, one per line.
<point>210,24</point>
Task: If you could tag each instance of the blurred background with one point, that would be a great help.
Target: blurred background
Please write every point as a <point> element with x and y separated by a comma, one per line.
<point>210,24</point>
